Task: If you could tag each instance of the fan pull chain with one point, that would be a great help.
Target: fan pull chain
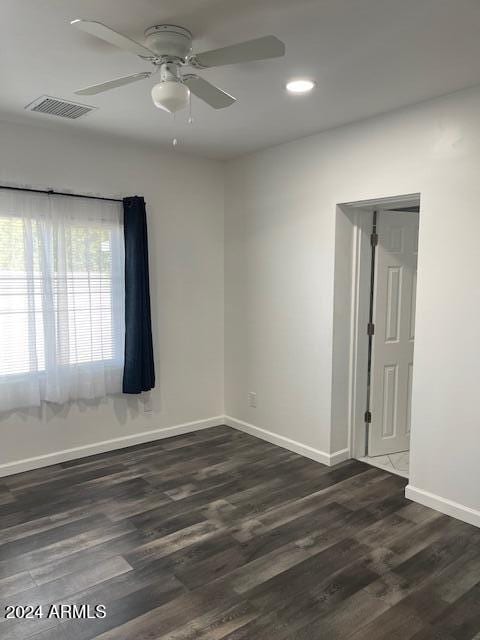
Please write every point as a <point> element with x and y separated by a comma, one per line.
<point>190,117</point>
<point>174,141</point>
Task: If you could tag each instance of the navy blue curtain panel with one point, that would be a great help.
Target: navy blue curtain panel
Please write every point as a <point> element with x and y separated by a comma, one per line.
<point>139,369</point>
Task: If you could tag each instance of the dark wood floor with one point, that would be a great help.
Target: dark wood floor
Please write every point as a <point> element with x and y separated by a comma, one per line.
<point>218,535</point>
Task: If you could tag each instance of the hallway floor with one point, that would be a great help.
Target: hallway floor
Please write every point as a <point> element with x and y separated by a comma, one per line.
<point>398,463</point>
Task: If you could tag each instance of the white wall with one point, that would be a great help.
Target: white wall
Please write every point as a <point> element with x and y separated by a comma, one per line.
<point>279,274</point>
<point>185,203</point>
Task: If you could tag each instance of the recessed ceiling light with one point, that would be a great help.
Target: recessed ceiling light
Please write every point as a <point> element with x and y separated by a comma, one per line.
<point>300,86</point>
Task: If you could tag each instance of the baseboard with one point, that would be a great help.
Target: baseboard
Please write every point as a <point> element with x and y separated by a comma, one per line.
<point>339,456</point>
<point>84,451</point>
<point>450,508</point>
<point>329,459</point>
<point>46,460</point>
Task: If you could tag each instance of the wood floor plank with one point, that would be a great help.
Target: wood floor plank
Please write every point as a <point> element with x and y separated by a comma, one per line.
<point>15,584</point>
<point>62,548</point>
<point>216,535</point>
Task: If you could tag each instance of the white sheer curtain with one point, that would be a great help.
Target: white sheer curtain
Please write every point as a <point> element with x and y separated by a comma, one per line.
<point>61,298</point>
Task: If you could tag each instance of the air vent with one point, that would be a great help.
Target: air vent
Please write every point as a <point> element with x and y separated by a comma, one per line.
<point>57,107</point>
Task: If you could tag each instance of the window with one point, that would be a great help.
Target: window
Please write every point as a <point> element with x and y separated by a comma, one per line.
<point>61,298</point>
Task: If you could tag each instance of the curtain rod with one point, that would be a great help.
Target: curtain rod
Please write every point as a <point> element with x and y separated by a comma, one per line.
<point>60,193</point>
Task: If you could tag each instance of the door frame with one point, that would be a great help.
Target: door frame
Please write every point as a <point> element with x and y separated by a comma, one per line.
<point>360,215</point>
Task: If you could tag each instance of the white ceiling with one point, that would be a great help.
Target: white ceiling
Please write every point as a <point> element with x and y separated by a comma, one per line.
<point>367,56</point>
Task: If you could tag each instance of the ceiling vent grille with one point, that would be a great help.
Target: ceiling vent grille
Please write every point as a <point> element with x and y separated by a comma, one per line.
<point>58,107</point>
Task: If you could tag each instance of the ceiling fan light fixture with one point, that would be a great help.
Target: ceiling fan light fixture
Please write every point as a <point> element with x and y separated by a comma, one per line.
<point>169,48</point>
<point>170,95</point>
<point>300,86</point>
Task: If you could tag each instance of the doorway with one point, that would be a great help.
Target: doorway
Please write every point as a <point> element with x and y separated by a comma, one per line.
<point>384,240</point>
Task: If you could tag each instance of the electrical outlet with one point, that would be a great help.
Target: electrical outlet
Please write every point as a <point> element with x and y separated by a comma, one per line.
<point>252,399</point>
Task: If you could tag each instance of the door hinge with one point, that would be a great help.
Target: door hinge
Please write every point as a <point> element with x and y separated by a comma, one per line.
<point>368,417</point>
<point>370,329</point>
<point>374,239</point>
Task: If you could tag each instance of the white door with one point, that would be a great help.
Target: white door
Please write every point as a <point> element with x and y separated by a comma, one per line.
<point>394,333</point>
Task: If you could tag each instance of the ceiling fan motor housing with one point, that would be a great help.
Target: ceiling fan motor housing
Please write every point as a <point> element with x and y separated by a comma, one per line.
<point>169,41</point>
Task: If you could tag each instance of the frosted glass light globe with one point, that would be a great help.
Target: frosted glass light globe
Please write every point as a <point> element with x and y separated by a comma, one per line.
<point>300,86</point>
<point>170,95</point>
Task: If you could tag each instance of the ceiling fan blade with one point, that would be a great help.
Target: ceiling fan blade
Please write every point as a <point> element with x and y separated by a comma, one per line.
<point>109,35</point>
<point>112,84</point>
<point>258,49</point>
<point>208,92</point>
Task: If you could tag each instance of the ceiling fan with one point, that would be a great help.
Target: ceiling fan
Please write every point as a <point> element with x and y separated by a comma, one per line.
<point>169,48</point>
